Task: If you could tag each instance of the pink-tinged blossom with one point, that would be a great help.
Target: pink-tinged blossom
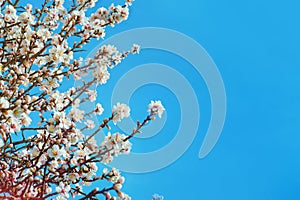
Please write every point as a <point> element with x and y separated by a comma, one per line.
<point>63,190</point>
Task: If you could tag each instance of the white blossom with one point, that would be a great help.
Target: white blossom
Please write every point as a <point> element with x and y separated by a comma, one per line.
<point>99,109</point>
<point>129,2</point>
<point>4,103</point>
<point>116,144</point>
<point>26,119</point>
<point>155,107</point>
<point>135,49</point>
<point>76,114</point>
<point>157,197</point>
<point>26,18</point>
<point>1,143</point>
<point>92,94</point>
<point>120,111</point>
<point>101,74</point>
<point>63,190</point>
<point>56,152</point>
<point>90,124</point>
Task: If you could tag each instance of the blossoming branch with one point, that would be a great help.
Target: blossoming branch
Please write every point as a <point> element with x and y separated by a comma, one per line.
<point>43,151</point>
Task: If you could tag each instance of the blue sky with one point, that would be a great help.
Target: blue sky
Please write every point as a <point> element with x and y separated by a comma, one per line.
<point>255,45</point>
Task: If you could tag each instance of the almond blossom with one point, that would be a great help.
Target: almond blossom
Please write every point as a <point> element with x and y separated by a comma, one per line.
<point>48,146</point>
<point>155,107</point>
<point>120,111</point>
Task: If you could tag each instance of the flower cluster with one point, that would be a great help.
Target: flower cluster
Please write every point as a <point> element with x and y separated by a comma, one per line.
<point>120,111</point>
<point>44,152</point>
<point>117,144</point>
<point>157,197</point>
<point>155,107</point>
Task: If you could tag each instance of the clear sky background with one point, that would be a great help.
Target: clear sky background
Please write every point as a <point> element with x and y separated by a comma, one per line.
<point>255,45</point>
